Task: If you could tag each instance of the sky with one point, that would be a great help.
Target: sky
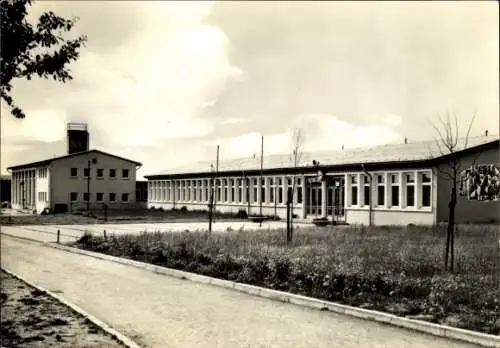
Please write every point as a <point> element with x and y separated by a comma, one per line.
<point>165,82</point>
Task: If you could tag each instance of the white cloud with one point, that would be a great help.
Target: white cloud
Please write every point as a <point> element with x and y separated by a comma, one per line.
<point>234,120</point>
<point>151,86</point>
<point>321,132</point>
<point>392,120</point>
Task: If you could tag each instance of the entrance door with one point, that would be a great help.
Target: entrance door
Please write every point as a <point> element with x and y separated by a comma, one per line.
<point>313,195</point>
<point>335,198</point>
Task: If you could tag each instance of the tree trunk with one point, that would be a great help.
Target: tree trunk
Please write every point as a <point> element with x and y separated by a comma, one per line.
<point>451,228</point>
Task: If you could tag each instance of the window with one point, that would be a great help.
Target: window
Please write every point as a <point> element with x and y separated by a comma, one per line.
<point>366,194</point>
<point>380,190</point>
<point>272,189</point>
<point>42,173</point>
<point>394,190</point>
<point>124,173</point>
<point>100,173</point>
<point>224,198</point>
<point>189,183</point>
<point>366,190</point>
<point>426,189</point>
<point>354,189</point>
<point>86,172</point>
<point>255,194</point>
<point>74,172</point>
<point>299,194</point>
<point>86,196</point>
<point>124,197</point>
<point>241,185</point>
<point>280,190</point>
<point>99,196</point>
<point>410,190</point>
<point>232,198</point>
<point>354,195</point>
<point>112,173</point>
<point>112,197</point>
<point>74,196</point>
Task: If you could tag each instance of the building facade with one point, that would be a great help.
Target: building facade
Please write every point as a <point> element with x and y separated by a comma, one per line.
<point>81,179</point>
<point>74,182</point>
<point>385,185</point>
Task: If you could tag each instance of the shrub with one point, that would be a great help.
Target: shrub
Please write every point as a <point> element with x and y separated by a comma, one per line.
<point>242,214</point>
<point>183,209</point>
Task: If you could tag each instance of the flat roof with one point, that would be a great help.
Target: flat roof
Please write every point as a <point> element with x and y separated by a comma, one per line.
<point>390,153</point>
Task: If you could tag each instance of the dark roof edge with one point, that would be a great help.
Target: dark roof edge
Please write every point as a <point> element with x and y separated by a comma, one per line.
<point>48,161</point>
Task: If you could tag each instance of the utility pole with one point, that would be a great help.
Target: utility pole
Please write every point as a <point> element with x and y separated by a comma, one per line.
<point>88,185</point>
<point>261,173</point>
<point>211,205</point>
<point>94,161</point>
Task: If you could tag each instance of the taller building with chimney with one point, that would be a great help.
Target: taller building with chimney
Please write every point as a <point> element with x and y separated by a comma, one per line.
<point>81,179</point>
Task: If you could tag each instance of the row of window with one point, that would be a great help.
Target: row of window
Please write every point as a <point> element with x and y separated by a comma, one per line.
<point>42,172</point>
<point>99,173</point>
<point>405,189</point>
<point>99,197</point>
<point>22,175</point>
<point>229,190</point>
<point>42,196</point>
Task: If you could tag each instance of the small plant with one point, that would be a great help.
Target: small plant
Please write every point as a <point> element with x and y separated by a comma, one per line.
<point>184,209</point>
<point>242,214</point>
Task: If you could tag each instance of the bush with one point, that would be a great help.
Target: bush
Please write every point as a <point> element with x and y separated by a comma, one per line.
<point>242,214</point>
<point>184,209</point>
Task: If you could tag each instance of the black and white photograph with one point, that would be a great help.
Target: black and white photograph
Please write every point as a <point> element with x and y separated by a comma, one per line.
<point>272,174</point>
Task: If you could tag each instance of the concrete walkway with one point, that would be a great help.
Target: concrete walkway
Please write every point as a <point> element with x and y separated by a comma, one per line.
<point>163,312</point>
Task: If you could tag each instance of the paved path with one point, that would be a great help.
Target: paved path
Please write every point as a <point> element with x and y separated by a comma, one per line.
<point>159,311</point>
<point>48,233</point>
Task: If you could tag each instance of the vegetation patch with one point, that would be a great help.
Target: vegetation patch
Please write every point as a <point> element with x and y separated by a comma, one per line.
<point>393,269</point>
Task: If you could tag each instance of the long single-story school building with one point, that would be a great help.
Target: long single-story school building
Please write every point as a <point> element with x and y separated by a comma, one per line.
<point>394,184</point>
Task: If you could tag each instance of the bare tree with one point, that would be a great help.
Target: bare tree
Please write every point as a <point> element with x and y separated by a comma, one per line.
<point>297,151</point>
<point>447,142</point>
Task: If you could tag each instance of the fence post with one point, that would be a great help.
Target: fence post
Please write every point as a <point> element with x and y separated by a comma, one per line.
<point>105,234</point>
<point>58,235</point>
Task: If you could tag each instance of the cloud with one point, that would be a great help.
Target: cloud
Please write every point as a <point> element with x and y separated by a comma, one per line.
<point>321,132</point>
<point>150,86</point>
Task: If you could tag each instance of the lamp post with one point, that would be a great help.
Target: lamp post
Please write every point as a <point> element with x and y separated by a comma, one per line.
<point>94,161</point>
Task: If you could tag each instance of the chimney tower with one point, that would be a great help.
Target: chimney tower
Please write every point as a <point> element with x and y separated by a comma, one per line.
<point>78,137</point>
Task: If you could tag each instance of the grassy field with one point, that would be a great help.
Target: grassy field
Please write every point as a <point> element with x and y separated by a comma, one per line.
<point>114,217</point>
<point>393,269</point>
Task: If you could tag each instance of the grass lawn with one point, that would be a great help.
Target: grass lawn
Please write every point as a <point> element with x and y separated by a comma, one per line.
<point>113,216</point>
<point>392,269</point>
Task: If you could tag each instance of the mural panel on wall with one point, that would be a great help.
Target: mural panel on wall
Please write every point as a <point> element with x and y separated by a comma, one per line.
<point>480,183</point>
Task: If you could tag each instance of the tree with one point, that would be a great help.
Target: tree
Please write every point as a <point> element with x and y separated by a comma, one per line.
<point>447,143</point>
<point>297,143</point>
<point>26,50</point>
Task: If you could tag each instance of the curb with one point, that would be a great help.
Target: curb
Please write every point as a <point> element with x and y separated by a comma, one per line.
<point>469,336</point>
<point>103,326</point>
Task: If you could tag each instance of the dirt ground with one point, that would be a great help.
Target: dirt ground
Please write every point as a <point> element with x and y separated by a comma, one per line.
<point>32,319</point>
